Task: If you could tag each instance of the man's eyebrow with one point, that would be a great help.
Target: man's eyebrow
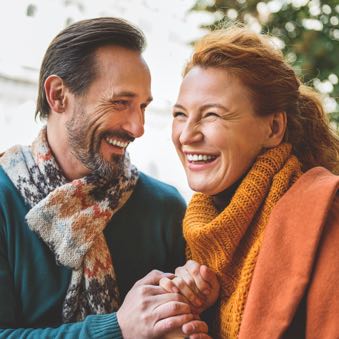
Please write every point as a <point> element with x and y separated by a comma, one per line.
<point>128,94</point>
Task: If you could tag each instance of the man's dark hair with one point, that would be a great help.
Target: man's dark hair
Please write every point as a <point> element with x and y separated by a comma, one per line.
<point>71,54</point>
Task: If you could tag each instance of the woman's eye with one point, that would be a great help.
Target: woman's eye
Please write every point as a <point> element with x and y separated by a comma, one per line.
<point>211,115</point>
<point>179,114</point>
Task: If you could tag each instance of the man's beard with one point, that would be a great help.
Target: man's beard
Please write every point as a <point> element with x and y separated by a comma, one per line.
<point>85,145</point>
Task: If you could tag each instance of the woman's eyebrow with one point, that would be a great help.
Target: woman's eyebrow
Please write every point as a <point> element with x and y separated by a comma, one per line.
<point>204,107</point>
<point>214,105</point>
<point>178,106</point>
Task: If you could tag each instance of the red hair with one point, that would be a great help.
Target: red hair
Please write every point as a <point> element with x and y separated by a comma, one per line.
<point>274,87</point>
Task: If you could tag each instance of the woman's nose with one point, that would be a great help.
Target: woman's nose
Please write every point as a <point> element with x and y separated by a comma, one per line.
<point>191,133</point>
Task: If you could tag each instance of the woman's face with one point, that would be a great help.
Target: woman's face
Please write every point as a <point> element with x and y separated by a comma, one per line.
<point>215,131</point>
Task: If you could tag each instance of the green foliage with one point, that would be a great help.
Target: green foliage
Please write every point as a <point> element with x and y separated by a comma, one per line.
<point>31,10</point>
<point>308,30</point>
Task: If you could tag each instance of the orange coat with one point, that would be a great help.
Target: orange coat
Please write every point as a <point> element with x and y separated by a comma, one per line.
<point>297,270</point>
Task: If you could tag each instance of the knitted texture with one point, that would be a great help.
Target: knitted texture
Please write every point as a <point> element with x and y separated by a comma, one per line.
<point>70,218</point>
<point>229,242</point>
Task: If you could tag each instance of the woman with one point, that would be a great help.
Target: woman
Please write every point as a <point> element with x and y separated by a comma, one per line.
<point>255,144</point>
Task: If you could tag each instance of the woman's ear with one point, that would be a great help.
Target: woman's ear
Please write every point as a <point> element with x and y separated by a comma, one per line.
<point>55,93</point>
<point>277,125</point>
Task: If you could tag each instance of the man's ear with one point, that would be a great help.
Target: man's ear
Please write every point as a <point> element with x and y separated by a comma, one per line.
<point>55,93</point>
<point>277,127</point>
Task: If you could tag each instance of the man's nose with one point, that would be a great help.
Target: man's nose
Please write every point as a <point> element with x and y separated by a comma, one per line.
<point>134,123</point>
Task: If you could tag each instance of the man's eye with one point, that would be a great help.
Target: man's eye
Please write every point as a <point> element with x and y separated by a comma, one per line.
<point>120,104</point>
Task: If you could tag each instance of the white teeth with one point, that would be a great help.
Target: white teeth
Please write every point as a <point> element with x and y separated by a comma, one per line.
<point>116,142</point>
<point>199,157</point>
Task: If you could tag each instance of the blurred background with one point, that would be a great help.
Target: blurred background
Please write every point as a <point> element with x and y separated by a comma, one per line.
<point>307,32</point>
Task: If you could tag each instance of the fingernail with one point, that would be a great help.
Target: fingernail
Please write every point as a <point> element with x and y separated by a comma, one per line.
<point>206,291</point>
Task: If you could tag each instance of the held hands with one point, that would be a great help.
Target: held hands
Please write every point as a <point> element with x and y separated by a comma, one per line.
<point>149,311</point>
<point>197,283</point>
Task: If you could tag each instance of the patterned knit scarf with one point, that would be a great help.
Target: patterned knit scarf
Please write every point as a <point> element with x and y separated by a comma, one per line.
<point>70,218</point>
<point>229,242</point>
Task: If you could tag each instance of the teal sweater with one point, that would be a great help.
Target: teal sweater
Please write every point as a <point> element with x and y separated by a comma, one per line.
<point>144,235</point>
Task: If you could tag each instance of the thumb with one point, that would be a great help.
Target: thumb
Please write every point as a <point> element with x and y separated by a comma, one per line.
<point>208,275</point>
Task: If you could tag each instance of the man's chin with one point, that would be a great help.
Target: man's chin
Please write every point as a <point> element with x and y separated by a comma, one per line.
<point>116,158</point>
<point>110,169</point>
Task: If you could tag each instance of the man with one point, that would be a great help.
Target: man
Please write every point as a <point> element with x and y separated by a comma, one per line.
<point>79,225</point>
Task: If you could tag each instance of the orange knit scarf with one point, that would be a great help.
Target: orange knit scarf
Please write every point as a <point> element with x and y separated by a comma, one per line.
<point>229,242</point>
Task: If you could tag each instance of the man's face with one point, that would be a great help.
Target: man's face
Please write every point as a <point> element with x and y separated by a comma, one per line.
<point>110,114</point>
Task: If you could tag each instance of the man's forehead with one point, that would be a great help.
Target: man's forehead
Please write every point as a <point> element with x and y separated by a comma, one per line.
<point>118,54</point>
<point>123,66</point>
